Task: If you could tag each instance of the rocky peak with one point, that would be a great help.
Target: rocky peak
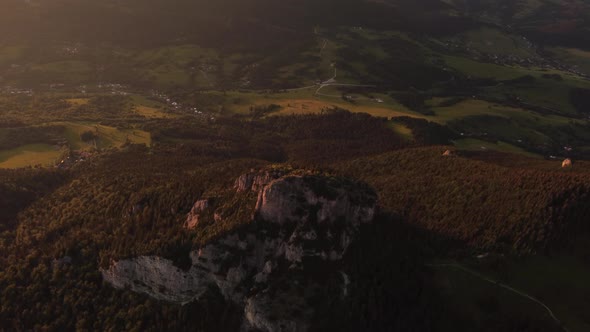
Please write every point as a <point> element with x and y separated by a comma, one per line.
<point>256,180</point>
<point>312,199</point>
<point>298,217</point>
<point>449,153</point>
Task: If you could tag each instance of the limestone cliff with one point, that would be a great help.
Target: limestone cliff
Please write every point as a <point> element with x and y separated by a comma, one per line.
<point>297,218</point>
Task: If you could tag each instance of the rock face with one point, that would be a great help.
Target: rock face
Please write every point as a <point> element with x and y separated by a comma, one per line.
<point>448,153</point>
<point>192,219</point>
<point>258,307</point>
<point>255,181</point>
<point>296,198</point>
<point>297,218</point>
<point>157,277</point>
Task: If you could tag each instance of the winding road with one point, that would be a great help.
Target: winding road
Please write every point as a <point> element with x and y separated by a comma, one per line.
<point>331,81</point>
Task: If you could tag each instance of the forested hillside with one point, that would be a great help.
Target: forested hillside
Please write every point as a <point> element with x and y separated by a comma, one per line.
<point>295,165</point>
<point>134,202</point>
<point>495,207</point>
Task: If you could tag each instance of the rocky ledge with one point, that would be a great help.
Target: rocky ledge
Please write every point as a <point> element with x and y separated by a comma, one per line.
<point>298,218</point>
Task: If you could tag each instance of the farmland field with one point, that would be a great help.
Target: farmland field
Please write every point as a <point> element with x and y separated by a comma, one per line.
<point>30,155</point>
<point>107,137</point>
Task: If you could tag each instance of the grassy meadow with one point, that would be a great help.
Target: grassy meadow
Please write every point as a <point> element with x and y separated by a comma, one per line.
<point>30,155</point>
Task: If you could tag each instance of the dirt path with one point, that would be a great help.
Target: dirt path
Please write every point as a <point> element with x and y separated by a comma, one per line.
<point>323,46</point>
<point>499,284</point>
<point>317,92</point>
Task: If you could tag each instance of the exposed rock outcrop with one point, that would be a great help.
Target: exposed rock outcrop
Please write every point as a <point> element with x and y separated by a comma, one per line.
<point>276,312</point>
<point>255,181</point>
<point>192,219</point>
<point>297,218</point>
<point>157,277</point>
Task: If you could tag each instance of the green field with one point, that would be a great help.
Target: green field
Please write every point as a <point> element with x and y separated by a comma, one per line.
<point>190,65</point>
<point>484,70</point>
<point>306,102</point>
<point>47,155</point>
<point>78,101</point>
<point>574,57</point>
<point>471,144</point>
<point>561,282</point>
<point>475,300</point>
<point>475,107</point>
<point>66,72</point>
<point>108,137</point>
<point>493,41</point>
<point>10,54</point>
<point>152,113</point>
<point>502,122</point>
<point>30,155</point>
<point>402,130</point>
